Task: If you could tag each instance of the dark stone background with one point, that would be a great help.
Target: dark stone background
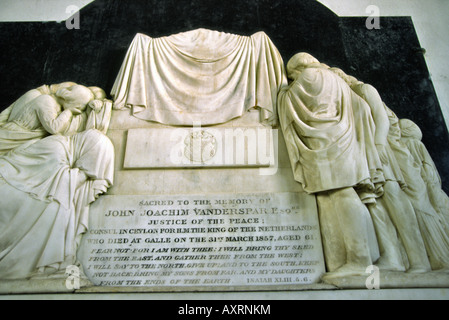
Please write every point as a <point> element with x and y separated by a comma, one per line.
<point>390,58</point>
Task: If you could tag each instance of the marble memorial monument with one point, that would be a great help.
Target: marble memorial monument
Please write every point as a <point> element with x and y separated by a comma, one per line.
<point>216,166</point>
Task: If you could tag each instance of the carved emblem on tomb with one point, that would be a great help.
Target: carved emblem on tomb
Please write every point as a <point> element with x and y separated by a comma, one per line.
<point>200,146</point>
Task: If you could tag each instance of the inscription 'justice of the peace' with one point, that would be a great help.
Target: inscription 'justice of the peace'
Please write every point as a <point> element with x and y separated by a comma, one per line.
<point>254,239</point>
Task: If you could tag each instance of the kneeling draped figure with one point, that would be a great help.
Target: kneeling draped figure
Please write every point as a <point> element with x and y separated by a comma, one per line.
<point>329,135</point>
<point>47,183</point>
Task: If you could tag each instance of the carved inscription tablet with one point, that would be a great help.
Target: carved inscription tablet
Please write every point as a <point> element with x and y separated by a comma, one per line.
<point>200,147</point>
<point>198,241</point>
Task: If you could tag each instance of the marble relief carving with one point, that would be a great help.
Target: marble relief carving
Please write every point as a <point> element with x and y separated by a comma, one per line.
<point>372,175</point>
<point>56,160</point>
<point>200,76</point>
<point>201,146</point>
<point>378,192</point>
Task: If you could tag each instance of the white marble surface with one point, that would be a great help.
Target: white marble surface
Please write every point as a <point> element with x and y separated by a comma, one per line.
<point>345,147</point>
<point>55,160</point>
<point>200,148</point>
<point>390,294</point>
<point>169,181</point>
<point>217,77</point>
<point>222,241</point>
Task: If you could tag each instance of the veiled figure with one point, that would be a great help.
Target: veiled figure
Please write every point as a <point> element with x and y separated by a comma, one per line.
<point>56,109</point>
<point>425,192</point>
<point>329,135</point>
<point>412,135</point>
<point>394,218</point>
<point>45,192</point>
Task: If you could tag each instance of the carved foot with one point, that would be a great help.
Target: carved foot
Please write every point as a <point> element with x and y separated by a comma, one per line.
<point>345,271</point>
<point>385,264</point>
<point>418,269</point>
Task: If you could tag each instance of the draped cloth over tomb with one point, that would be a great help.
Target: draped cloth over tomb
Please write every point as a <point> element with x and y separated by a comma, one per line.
<point>200,76</point>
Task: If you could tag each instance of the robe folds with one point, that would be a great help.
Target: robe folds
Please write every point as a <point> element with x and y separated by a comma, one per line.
<point>45,192</point>
<point>200,76</point>
<point>429,200</point>
<point>330,134</point>
<point>36,115</point>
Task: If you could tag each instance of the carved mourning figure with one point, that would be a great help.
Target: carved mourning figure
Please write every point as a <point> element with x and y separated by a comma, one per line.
<point>43,111</point>
<point>57,161</point>
<point>328,132</point>
<point>393,210</point>
<point>342,139</point>
<point>411,136</point>
<point>431,220</point>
